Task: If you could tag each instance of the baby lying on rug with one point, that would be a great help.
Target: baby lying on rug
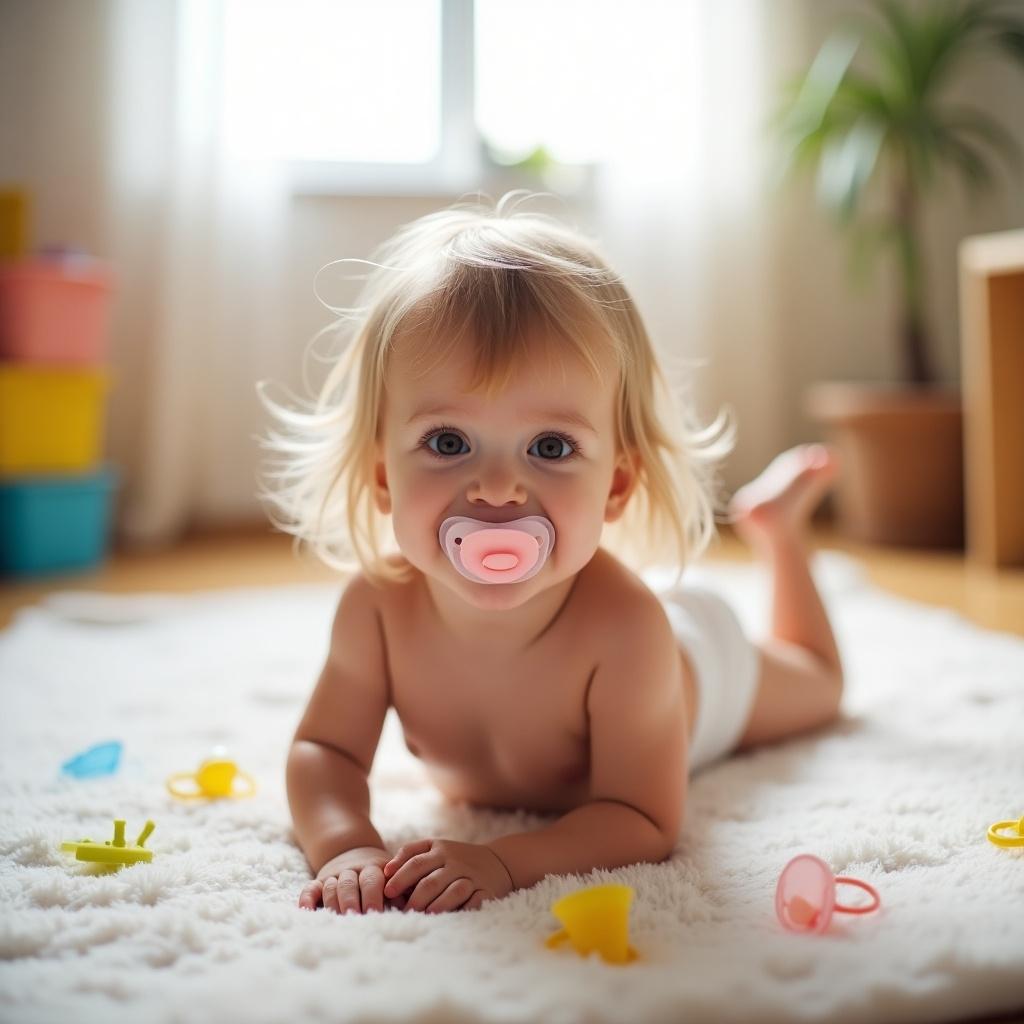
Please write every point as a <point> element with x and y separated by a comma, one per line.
<point>501,402</point>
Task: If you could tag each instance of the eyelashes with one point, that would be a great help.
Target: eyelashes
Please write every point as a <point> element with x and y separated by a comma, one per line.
<point>567,438</point>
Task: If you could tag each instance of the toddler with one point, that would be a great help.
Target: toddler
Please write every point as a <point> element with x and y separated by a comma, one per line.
<point>501,409</point>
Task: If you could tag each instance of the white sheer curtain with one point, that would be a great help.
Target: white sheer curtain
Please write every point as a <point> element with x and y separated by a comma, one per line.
<point>684,207</point>
<point>199,234</point>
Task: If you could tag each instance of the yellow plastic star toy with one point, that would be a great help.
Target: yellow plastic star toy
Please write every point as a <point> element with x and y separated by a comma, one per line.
<point>116,852</point>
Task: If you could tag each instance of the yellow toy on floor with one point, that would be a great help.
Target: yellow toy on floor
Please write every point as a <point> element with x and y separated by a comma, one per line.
<point>214,780</point>
<point>113,853</point>
<point>596,919</point>
<point>1007,833</point>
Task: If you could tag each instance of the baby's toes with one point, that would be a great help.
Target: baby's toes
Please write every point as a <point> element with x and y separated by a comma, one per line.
<point>822,460</point>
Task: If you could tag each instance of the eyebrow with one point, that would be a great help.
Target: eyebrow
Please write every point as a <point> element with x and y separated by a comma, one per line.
<point>570,416</point>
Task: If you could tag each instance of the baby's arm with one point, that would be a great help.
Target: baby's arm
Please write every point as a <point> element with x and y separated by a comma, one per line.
<point>330,759</point>
<point>638,767</point>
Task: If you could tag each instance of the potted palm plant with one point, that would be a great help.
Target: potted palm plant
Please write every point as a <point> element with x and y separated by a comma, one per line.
<point>872,115</point>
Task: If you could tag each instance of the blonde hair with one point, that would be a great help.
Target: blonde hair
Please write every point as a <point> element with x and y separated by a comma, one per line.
<point>494,277</point>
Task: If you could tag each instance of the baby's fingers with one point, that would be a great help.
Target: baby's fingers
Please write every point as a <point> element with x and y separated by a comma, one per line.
<point>397,903</point>
<point>342,894</point>
<point>453,897</point>
<point>355,893</point>
<point>404,853</point>
<point>309,898</point>
<point>349,891</point>
<point>371,888</point>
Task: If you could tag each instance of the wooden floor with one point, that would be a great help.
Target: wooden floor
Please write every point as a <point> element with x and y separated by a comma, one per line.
<point>259,557</point>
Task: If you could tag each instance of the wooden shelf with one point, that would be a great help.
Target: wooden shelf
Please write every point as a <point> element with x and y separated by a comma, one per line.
<point>992,361</point>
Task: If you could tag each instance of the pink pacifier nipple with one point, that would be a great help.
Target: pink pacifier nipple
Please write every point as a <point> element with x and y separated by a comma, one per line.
<point>497,552</point>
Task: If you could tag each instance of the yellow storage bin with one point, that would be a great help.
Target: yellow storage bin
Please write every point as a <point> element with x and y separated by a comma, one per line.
<point>50,419</point>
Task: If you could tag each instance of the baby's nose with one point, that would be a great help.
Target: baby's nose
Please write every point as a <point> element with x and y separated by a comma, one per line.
<point>497,484</point>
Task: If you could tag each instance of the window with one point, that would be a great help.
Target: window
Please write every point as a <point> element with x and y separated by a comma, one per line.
<point>341,82</point>
<point>555,75</point>
<point>424,96</point>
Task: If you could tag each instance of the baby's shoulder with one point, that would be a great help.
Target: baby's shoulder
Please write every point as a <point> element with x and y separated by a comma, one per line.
<point>631,628</point>
<point>618,598</point>
<point>370,608</point>
<point>386,595</point>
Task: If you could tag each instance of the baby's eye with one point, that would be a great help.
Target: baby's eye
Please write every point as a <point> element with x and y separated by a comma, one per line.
<point>551,447</point>
<point>447,441</point>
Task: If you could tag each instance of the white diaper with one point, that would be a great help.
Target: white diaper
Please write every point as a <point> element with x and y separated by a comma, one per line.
<point>725,663</point>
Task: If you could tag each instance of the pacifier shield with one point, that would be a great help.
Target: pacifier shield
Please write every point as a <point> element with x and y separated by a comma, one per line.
<point>497,552</point>
<point>805,898</point>
<point>596,920</point>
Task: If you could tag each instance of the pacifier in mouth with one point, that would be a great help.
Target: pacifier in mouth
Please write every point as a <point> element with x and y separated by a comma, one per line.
<point>497,552</point>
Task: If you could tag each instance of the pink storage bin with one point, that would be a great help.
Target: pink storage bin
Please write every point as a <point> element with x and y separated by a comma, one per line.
<point>55,310</point>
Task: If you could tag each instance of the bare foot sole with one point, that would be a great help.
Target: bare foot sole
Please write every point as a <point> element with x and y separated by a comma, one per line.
<point>781,500</point>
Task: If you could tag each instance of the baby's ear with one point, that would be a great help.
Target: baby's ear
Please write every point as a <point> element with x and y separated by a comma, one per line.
<point>624,481</point>
<point>381,493</point>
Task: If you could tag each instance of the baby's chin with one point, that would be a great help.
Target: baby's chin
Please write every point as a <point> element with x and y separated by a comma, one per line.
<point>495,596</point>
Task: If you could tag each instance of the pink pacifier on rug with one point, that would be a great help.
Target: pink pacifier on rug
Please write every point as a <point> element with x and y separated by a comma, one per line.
<point>805,897</point>
<point>497,552</point>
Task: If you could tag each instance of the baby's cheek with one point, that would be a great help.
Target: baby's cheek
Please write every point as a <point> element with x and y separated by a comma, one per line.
<point>415,537</point>
<point>577,541</point>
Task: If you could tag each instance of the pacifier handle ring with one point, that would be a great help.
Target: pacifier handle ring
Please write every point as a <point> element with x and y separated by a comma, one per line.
<point>195,794</point>
<point>248,780</point>
<point>869,889</point>
<point>249,786</point>
<point>997,833</point>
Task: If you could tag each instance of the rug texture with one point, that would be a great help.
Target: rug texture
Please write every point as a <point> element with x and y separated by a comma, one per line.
<point>899,793</point>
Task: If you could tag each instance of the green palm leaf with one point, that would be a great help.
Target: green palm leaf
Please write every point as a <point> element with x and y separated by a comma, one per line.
<point>886,122</point>
<point>847,163</point>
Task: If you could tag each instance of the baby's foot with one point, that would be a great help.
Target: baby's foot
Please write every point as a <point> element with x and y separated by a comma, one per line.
<point>781,500</point>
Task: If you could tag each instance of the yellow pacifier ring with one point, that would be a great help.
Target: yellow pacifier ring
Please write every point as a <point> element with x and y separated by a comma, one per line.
<point>215,780</point>
<point>996,833</point>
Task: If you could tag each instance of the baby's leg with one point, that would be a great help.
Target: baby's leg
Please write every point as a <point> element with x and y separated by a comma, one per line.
<point>801,675</point>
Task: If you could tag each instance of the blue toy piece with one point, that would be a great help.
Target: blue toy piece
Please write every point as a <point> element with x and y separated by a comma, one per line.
<point>102,759</point>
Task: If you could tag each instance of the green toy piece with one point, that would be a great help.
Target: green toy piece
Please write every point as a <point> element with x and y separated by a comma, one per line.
<point>113,852</point>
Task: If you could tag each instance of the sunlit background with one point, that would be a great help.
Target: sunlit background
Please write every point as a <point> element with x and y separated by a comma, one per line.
<point>215,155</point>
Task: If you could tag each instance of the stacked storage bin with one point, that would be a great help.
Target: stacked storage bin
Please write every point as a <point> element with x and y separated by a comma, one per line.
<point>55,495</point>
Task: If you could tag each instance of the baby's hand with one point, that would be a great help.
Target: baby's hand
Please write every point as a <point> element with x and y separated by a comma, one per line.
<point>446,875</point>
<point>354,880</point>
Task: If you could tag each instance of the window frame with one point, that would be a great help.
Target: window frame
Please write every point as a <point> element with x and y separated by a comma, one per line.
<point>460,158</point>
<point>462,164</point>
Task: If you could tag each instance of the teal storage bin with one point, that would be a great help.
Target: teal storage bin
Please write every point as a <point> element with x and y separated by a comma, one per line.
<point>51,524</point>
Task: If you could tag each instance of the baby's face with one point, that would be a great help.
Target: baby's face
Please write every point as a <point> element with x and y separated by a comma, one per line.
<point>544,446</point>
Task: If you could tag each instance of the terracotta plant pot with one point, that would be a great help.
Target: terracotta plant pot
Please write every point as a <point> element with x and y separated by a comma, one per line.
<point>902,458</point>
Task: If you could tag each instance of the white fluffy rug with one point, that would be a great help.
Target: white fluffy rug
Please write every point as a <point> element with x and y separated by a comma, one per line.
<point>900,794</point>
